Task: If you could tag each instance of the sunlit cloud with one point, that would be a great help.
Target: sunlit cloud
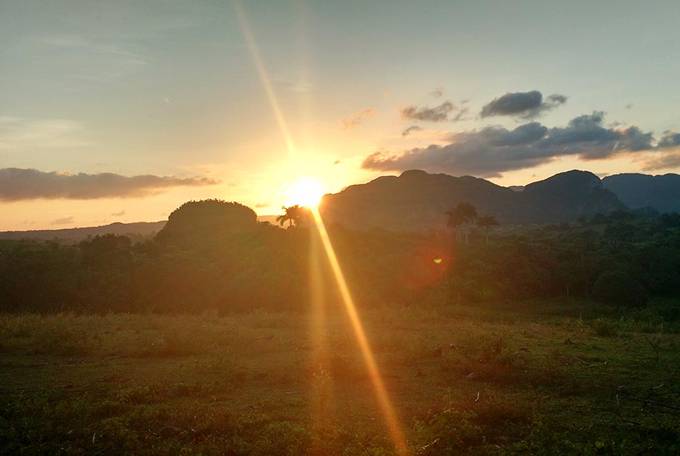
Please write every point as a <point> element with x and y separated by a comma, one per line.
<point>358,118</point>
<point>63,221</point>
<point>437,113</point>
<point>27,184</point>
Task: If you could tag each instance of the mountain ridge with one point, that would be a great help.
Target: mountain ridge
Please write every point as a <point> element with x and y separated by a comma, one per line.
<point>417,200</point>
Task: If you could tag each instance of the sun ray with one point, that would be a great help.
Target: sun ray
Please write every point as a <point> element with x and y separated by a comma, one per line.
<point>384,401</point>
<point>264,76</point>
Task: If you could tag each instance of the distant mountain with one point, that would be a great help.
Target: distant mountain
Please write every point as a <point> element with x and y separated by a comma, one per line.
<point>417,200</point>
<point>641,190</point>
<point>139,230</point>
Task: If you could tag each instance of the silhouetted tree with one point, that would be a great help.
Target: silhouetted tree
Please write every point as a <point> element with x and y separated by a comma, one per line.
<point>295,216</point>
<point>462,215</point>
<point>486,222</point>
<point>205,222</point>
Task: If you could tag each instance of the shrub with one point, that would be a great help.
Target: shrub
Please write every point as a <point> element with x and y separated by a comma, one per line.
<point>620,289</point>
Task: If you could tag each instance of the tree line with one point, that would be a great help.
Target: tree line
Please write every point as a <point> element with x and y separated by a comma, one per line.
<point>215,255</point>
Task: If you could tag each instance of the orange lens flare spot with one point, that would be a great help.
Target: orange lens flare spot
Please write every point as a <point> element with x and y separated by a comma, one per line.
<point>438,260</point>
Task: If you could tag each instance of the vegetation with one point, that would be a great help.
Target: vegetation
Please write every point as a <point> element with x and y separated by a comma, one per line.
<point>534,377</point>
<point>213,255</point>
<point>227,336</point>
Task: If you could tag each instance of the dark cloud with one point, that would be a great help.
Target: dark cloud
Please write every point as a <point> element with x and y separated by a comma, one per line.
<point>493,150</point>
<point>461,115</point>
<point>410,130</point>
<point>23,184</point>
<point>522,104</point>
<point>438,113</point>
<point>669,139</point>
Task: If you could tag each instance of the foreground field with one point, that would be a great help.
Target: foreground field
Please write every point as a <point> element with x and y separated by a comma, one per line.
<point>463,380</point>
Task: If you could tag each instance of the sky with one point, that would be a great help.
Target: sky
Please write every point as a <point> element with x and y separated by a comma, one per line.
<point>121,111</point>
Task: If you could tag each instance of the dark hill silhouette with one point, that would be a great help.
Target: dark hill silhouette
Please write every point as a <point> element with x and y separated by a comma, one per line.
<point>641,190</point>
<point>417,200</point>
<point>70,235</point>
<point>206,221</point>
<point>565,196</point>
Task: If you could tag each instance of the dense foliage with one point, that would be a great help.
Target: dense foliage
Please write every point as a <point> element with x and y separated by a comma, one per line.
<point>214,255</point>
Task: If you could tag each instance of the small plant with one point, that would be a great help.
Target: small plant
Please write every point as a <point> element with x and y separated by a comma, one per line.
<point>604,327</point>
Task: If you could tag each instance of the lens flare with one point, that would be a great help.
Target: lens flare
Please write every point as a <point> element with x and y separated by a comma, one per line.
<point>310,196</point>
<point>305,191</point>
<point>384,402</point>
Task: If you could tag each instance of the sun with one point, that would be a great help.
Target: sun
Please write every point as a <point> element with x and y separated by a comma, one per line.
<point>306,191</point>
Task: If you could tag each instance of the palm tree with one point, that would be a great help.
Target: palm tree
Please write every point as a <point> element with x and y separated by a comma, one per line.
<point>461,215</point>
<point>486,222</point>
<point>294,215</point>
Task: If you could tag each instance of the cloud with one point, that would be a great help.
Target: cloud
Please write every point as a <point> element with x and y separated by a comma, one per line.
<point>25,184</point>
<point>461,115</point>
<point>410,130</point>
<point>63,221</point>
<point>438,92</point>
<point>667,160</point>
<point>670,139</point>
<point>358,118</point>
<point>118,214</point>
<point>91,59</point>
<point>669,153</point>
<point>493,150</point>
<point>438,113</point>
<point>522,104</point>
<point>18,133</point>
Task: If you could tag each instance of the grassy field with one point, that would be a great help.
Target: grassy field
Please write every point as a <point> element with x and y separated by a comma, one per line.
<point>540,378</point>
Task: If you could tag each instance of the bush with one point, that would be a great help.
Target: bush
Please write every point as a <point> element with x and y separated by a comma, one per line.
<point>620,289</point>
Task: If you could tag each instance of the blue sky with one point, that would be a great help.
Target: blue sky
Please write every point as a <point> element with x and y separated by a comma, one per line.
<point>169,89</point>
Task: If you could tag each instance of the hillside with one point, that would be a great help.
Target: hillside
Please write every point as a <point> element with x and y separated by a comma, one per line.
<point>641,190</point>
<point>139,229</point>
<point>417,200</point>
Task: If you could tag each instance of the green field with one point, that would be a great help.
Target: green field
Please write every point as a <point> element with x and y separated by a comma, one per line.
<point>539,377</point>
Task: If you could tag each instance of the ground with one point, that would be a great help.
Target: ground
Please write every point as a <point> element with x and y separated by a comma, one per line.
<point>539,378</point>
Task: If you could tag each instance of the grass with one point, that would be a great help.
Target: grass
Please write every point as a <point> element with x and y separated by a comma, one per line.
<point>535,378</point>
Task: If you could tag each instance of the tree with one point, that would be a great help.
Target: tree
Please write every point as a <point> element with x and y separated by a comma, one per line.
<point>295,216</point>
<point>461,215</point>
<point>486,222</point>
<point>619,288</point>
<point>205,223</point>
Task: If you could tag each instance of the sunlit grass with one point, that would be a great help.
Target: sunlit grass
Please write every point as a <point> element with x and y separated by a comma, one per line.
<point>481,380</point>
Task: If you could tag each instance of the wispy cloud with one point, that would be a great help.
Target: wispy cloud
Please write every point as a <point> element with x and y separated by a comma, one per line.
<point>18,133</point>
<point>358,118</point>
<point>25,184</point>
<point>91,59</point>
<point>437,113</point>
<point>411,129</point>
<point>63,221</point>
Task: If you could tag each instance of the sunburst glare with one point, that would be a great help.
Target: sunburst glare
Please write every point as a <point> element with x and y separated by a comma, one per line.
<point>305,191</point>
